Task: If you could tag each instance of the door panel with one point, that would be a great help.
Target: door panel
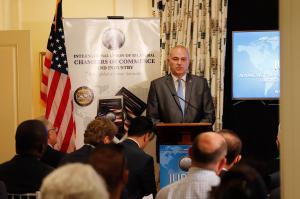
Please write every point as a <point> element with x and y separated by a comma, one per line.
<point>15,87</point>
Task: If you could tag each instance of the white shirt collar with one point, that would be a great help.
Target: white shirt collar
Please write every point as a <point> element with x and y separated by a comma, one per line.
<point>176,78</point>
<point>134,141</point>
<point>90,145</point>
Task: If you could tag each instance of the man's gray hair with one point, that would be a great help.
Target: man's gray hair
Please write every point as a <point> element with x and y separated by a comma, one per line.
<point>76,181</point>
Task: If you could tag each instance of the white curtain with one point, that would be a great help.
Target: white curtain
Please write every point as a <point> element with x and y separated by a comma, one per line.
<point>200,25</point>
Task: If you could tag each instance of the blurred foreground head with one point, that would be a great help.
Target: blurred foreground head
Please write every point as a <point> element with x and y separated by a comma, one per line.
<point>74,181</point>
<point>110,162</point>
<point>240,182</point>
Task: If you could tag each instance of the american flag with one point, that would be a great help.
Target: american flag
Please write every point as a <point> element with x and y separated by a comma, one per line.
<point>56,85</point>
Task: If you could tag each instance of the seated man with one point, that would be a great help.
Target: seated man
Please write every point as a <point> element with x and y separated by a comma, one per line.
<point>109,161</point>
<point>52,156</point>
<point>24,172</point>
<point>234,148</point>
<point>74,181</point>
<point>242,181</point>
<point>100,130</point>
<point>141,181</point>
<point>208,158</point>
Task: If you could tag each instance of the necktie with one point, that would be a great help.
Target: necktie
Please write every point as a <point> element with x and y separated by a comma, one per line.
<point>180,94</point>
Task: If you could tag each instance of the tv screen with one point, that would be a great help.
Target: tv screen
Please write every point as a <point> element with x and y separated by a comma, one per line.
<point>256,69</point>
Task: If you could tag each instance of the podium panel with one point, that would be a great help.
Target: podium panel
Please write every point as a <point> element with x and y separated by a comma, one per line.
<point>180,133</point>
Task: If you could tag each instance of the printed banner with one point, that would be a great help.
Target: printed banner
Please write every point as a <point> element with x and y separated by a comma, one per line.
<point>174,163</point>
<point>111,63</point>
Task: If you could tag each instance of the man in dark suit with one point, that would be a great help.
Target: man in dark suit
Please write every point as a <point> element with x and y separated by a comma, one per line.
<point>141,181</point>
<point>24,172</point>
<point>180,96</point>
<point>52,156</point>
<point>100,130</point>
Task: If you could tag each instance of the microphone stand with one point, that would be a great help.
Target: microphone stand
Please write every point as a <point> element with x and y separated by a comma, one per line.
<point>194,107</point>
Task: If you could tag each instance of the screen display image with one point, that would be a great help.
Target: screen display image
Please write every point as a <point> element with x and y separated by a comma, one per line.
<point>256,69</point>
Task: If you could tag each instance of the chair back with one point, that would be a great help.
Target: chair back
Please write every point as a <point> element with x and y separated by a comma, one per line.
<point>24,195</point>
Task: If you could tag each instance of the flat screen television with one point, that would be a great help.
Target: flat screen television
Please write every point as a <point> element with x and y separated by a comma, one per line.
<point>255,65</point>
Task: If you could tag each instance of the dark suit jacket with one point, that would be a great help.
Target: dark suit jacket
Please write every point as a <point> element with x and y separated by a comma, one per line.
<point>81,155</point>
<point>222,173</point>
<point>3,192</point>
<point>52,157</point>
<point>164,106</point>
<point>275,193</point>
<point>23,174</point>
<point>141,181</point>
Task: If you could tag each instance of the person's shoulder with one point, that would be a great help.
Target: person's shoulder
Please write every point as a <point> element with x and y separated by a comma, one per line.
<point>165,191</point>
<point>129,143</point>
<point>196,77</point>
<point>161,79</point>
<point>149,157</point>
<point>51,151</point>
<point>130,146</point>
<point>5,165</point>
<point>45,167</point>
<point>35,164</point>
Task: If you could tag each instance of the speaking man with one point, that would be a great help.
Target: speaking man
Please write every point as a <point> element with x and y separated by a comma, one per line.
<point>180,96</point>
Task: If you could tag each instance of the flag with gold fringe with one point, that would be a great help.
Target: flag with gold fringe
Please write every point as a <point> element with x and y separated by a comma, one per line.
<point>56,85</point>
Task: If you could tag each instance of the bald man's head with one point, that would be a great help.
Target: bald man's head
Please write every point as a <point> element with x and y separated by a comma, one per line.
<point>208,148</point>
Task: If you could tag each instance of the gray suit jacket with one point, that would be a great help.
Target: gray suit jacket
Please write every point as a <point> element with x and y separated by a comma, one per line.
<point>163,104</point>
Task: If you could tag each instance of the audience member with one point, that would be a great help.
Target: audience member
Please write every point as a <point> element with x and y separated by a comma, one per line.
<point>240,182</point>
<point>52,156</point>
<point>100,130</point>
<point>3,192</point>
<point>24,172</point>
<point>234,148</point>
<point>275,193</point>
<point>74,181</point>
<point>109,161</point>
<point>141,181</point>
<point>208,158</point>
<point>273,181</point>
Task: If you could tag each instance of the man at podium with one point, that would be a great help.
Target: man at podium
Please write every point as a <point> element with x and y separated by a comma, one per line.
<point>180,97</point>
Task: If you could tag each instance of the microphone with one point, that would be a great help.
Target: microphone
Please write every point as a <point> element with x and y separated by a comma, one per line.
<point>194,107</point>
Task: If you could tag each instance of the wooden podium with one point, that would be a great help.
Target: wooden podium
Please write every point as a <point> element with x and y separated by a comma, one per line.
<point>180,133</point>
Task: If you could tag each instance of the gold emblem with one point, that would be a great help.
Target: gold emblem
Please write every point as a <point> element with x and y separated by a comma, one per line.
<point>83,96</point>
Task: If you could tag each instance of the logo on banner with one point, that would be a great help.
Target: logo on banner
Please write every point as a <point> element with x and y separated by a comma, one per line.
<point>83,96</point>
<point>113,38</point>
<point>185,163</point>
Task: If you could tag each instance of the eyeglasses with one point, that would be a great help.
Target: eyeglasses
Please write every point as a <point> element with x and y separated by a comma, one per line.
<point>54,129</point>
